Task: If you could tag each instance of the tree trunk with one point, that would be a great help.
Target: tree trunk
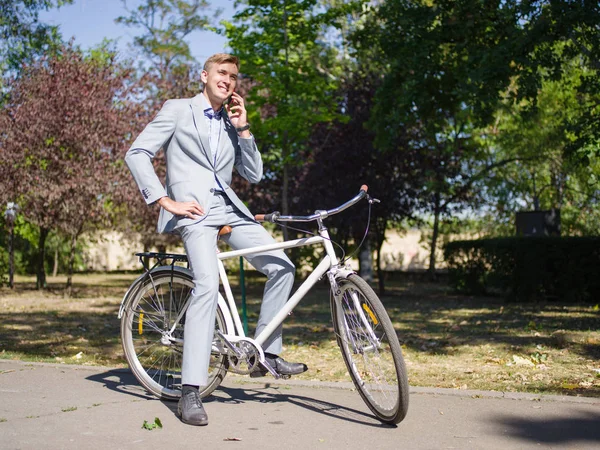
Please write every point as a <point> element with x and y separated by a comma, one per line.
<point>11,257</point>
<point>285,206</point>
<point>380,239</point>
<point>146,250</point>
<point>69,286</point>
<point>41,269</point>
<point>366,262</point>
<point>434,236</point>
<point>55,268</point>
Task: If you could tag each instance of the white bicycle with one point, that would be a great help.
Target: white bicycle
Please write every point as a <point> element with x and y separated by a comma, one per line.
<point>153,310</point>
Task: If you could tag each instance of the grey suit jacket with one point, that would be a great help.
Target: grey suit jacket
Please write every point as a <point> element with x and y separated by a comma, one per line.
<point>180,129</point>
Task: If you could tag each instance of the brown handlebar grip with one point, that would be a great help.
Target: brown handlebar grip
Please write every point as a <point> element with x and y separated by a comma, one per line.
<point>259,217</point>
<point>364,187</point>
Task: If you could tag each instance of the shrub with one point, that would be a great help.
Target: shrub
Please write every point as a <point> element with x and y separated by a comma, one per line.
<point>527,268</point>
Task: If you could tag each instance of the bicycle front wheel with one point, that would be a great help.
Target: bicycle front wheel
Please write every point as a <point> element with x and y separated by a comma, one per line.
<point>152,334</point>
<point>371,350</point>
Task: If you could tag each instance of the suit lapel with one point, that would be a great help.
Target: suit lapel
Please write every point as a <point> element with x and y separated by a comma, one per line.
<point>201,129</point>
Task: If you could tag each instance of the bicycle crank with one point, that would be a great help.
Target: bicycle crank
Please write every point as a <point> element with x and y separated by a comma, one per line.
<point>244,358</point>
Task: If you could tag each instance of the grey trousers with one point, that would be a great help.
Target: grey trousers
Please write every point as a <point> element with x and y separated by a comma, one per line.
<point>200,241</point>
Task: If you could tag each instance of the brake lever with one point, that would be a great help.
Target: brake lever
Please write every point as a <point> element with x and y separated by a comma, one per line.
<point>372,200</point>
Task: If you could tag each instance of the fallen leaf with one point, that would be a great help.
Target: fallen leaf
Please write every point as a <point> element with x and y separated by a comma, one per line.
<point>152,425</point>
<point>520,361</point>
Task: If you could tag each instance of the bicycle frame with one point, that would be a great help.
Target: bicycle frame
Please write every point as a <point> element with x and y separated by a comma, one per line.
<point>235,331</point>
<point>328,263</point>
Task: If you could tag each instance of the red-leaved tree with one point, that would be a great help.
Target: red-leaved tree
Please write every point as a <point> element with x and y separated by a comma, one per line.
<point>63,134</point>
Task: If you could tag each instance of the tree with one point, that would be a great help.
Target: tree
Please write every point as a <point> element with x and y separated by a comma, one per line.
<point>166,24</point>
<point>343,157</point>
<point>450,66</point>
<point>293,83</point>
<point>443,86</point>
<point>23,37</point>
<point>555,33</point>
<point>64,130</point>
<point>541,136</point>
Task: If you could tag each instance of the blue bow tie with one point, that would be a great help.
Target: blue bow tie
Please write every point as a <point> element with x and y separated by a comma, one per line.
<point>209,112</point>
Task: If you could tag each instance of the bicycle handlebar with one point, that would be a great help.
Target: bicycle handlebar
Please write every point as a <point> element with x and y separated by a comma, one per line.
<point>319,214</point>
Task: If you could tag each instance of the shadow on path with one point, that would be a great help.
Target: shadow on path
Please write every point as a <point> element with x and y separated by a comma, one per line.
<point>123,381</point>
<point>580,427</point>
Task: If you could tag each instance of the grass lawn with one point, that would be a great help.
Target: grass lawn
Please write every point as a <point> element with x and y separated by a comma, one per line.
<point>448,340</point>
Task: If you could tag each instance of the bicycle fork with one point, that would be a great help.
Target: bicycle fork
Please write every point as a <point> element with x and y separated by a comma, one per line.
<point>350,337</point>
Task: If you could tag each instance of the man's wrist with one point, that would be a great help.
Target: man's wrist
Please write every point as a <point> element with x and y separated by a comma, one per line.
<point>242,128</point>
<point>161,201</point>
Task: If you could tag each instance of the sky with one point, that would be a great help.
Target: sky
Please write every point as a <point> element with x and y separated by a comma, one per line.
<point>90,21</point>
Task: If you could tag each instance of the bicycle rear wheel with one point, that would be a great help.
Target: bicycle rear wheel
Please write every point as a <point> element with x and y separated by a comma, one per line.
<point>155,358</point>
<point>371,350</point>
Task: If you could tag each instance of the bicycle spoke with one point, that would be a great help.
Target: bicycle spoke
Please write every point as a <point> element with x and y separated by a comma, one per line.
<point>150,318</point>
<point>371,350</point>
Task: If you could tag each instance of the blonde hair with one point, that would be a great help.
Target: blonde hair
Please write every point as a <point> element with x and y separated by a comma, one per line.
<point>221,58</point>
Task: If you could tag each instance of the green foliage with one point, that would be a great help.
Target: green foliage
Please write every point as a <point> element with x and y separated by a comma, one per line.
<point>292,72</point>
<point>447,63</point>
<point>539,136</point>
<point>26,236</point>
<point>23,37</point>
<point>527,268</point>
<point>104,53</point>
<point>166,24</point>
<point>495,103</point>
<point>445,67</point>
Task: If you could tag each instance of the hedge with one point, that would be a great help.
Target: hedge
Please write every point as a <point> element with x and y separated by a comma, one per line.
<point>566,269</point>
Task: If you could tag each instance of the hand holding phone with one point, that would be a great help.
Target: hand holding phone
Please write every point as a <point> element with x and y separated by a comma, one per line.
<point>236,111</point>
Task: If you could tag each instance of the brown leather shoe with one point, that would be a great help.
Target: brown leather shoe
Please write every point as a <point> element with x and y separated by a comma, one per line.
<point>190,408</point>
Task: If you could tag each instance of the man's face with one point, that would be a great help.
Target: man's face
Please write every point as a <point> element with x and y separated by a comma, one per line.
<point>219,81</point>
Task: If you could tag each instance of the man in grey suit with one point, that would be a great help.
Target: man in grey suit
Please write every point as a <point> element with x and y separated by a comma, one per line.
<point>204,138</point>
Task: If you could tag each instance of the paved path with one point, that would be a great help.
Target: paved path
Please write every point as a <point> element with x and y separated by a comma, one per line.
<point>49,406</point>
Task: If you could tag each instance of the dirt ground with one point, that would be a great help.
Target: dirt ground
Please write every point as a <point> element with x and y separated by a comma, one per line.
<point>448,340</point>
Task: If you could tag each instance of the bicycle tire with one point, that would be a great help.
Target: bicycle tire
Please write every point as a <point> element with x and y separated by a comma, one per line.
<point>377,368</point>
<point>150,310</point>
